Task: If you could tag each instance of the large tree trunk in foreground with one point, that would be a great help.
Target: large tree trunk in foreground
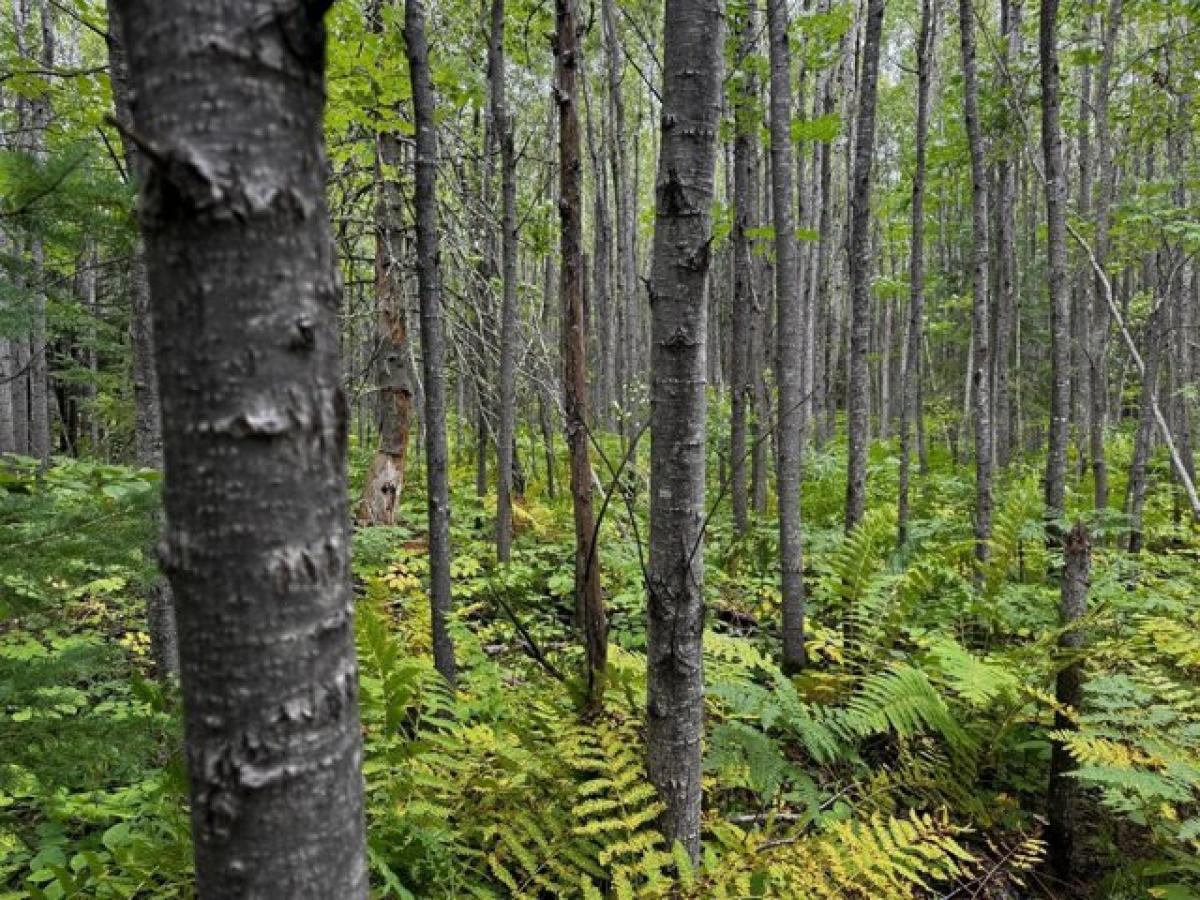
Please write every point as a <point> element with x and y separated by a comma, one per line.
<point>1060,831</point>
<point>857,395</point>
<point>789,342</point>
<point>678,296</point>
<point>1060,301</point>
<point>588,599</point>
<point>433,341</point>
<point>245,297</point>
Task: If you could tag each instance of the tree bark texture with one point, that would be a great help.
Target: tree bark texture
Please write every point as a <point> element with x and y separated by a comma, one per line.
<point>857,399</point>
<point>227,104</point>
<point>1060,301</point>
<point>981,395</point>
<point>911,410</point>
<point>789,364</point>
<point>502,129</point>
<point>588,599</point>
<point>692,65</point>
<point>433,339</point>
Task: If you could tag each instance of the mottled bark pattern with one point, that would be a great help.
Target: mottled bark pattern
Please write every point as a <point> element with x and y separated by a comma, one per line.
<point>682,240</point>
<point>227,105</point>
<point>385,479</point>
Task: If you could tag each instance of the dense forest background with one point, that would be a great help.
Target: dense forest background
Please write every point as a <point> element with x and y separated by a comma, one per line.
<point>769,465</point>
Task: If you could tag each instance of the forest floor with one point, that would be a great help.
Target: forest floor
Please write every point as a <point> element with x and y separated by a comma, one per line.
<point>909,761</point>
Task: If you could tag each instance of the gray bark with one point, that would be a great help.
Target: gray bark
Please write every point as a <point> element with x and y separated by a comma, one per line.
<point>911,411</point>
<point>789,342</point>
<point>1060,303</point>
<point>147,423</point>
<point>433,341</point>
<point>245,293</point>
<point>857,399</point>
<point>502,128</point>
<point>691,103</point>
<point>1100,317</point>
<point>745,199</point>
<point>625,215</point>
<point>1061,798</point>
<point>981,363</point>
<point>39,349</point>
<point>1006,264</point>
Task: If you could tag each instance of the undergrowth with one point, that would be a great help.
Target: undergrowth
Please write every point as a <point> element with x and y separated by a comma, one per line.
<point>909,761</point>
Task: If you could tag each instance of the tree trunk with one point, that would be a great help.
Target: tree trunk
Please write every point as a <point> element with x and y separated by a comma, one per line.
<point>911,411</point>
<point>745,200</point>
<point>981,395</point>
<point>692,63</point>
<point>857,399</point>
<point>502,128</point>
<point>625,215</point>
<point>433,349</point>
<point>1060,302</point>
<point>1100,316</point>
<point>147,421</point>
<point>39,342</point>
<point>1060,831</point>
<point>588,599</point>
<point>242,270</point>
<point>789,342</point>
<point>1006,247</point>
<point>385,480</point>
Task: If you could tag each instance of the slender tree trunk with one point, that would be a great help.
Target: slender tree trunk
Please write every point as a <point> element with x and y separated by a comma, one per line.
<point>502,128</point>
<point>1100,316</point>
<point>1006,266</point>
<point>242,268</point>
<point>433,349</point>
<point>147,422</point>
<point>860,268</point>
<point>588,599</point>
<point>789,342</point>
<point>745,199</point>
<point>911,411</point>
<point>385,480</point>
<point>1060,301</point>
<point>1060,803</point>
<point>625,214</point>
<point>692,63</point>
<point>981,394</point>
<point>41,114</point>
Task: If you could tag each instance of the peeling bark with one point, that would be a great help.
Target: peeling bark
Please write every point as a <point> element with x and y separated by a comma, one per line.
<point>588,599</point>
